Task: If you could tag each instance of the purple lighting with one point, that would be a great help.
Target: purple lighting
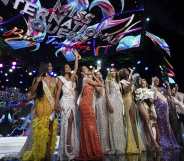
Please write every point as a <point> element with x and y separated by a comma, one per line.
<point>1,65</point>
<point>13,67</point>
<point>14,63</point>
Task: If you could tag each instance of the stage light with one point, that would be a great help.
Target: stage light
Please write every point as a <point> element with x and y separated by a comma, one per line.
<point>2,86</point>
<point>52,73</point>
<point>99,62</point>
<point>1,65</point>
<point>112,65</point>
<point>139,62</point>
<point>13,67</point>
<point>146,68</point>
<point>26,89</point>
<point>133,68</point>
<point>55,75</point>
<point>20,82</point>
<point>147,19</point>
<point>10,70</point>
<point>14,63</point>
<point>108,69</point>
<point>15,88</point>
<point>34,71</point>
<point>7,80</point>
<point>1,71</point>
<point>30,73</point>
<point>6,74</point>
<point>91,67</point>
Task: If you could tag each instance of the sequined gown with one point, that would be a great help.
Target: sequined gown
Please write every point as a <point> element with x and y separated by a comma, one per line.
<point>102,119</point>
<point>134,139</point>
<point>68,103</point>
<point>116,119</point>
<point>167,139</point>
<point>42,140</point>
<point>90,148</point>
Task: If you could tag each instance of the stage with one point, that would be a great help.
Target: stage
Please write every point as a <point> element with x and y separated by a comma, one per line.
<point>12,145</point>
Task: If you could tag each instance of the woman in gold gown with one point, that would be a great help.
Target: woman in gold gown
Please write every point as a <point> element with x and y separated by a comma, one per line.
<point>134,143</point>
<point>40,145</point>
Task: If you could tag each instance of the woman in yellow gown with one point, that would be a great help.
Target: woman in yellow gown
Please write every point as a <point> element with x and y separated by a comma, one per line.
<point>135,142</point>
<point>42,140</point>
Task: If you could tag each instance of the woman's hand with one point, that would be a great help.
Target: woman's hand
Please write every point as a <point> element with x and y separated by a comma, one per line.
<point>58,108</point>
<point>131,70</point>
<point>38,79</point>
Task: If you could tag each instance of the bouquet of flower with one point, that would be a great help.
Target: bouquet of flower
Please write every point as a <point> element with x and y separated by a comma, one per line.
<point>142,94</point>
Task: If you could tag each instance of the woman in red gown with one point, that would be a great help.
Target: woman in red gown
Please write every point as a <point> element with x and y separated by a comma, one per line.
<point>90,148</point>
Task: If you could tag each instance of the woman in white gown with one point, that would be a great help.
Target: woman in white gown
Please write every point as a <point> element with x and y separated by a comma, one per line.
<point>102,115</point>
<point>116,114</point>
<point>68,143</point>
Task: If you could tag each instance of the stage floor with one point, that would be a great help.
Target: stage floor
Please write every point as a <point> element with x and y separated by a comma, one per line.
<point>12,145</point>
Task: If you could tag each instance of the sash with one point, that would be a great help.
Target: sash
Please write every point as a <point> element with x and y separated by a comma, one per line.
<point>48,94</point>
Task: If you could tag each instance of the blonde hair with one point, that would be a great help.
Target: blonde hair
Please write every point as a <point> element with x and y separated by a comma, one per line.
<point>109,76</point>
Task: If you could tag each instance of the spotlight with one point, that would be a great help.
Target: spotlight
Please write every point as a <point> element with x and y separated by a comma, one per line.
<point>146,68</point>
<point>34,71</point>
<point>30,73</point>
<point>13,67</point>
<point>7,80</point>
<point>91,67</point>
<point>1,71</point>
<point>10,70</point>
<point>108,69</point>
<point>52,73</point>
<point>1,65</point>
<point>20,82</point>
<point>139,62</point>
<point>147,19</point>
<point>6,74</point>
<point>133,68</point>
<point>99,62</point>
<point>112,65</point>
<point>55,75</point>
<point>14,63</point>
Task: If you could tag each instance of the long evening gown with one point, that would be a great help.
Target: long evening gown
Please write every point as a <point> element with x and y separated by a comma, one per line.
<point>68,103</point>
<point>116,119</point>
<point>90,148</point>
<point>167,139</point>
<point>134,139</point>
<point>41,143</point>
<point>102,119</point>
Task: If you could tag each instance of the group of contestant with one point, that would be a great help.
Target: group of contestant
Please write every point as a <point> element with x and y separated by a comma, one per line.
<point>118,115</point>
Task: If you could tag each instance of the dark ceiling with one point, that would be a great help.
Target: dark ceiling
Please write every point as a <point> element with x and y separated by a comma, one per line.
<point>165,21</point>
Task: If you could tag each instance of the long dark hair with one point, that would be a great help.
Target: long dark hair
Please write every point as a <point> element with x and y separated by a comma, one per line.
<point>80,81</point>
<point>43,69</point>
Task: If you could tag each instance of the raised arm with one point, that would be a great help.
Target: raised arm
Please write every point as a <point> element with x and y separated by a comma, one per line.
<point>130,75</point>
<point>35,83</point>
<point>94,83</point>
<point>76,65</point>
<point>57,95</point>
